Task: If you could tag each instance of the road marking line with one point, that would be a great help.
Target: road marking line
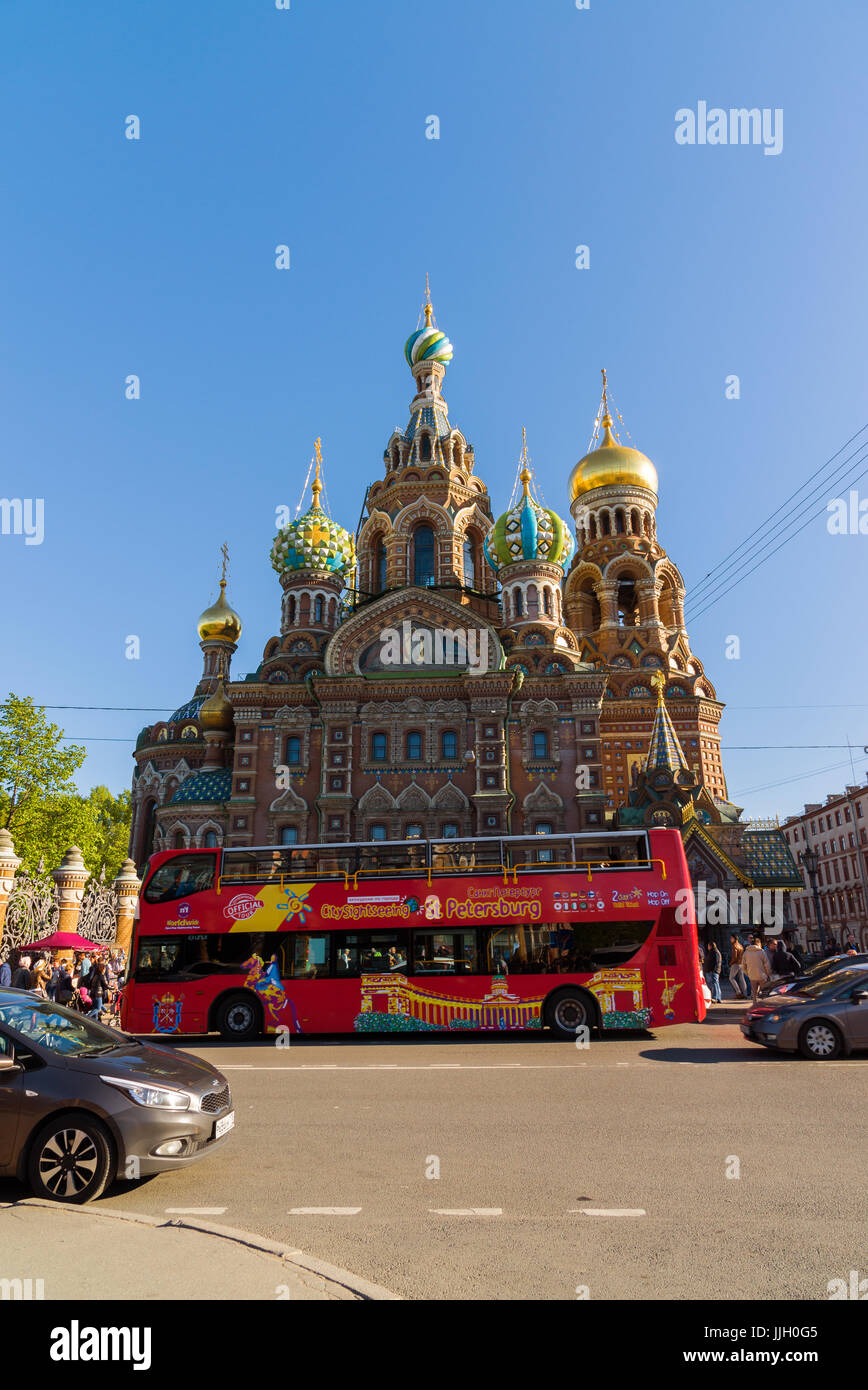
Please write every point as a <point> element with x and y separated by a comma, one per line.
<point>195,1211</point>
<point>609,1211</point>
<point>466,1211</point>
<point>324,1211</point>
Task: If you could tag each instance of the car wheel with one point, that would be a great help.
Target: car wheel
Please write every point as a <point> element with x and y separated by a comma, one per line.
<point>238,1019</point>
<point>820,1041</point>
<point>568,1012</point>
<point>70,1160</point>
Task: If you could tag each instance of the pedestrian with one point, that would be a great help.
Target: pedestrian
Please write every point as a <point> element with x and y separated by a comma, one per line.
<point>755,965</point>
<point>40,975</point>
<point>736,974</point>
<point>65,990</point>
<point>713,964</point>
<point>5,974</point>
<point>784,962</point>
<point>21,978</point>
<point>98,988</point>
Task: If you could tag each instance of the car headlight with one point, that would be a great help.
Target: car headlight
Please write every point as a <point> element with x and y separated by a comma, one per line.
<point>154,1096</point>
<point>774,1018</point>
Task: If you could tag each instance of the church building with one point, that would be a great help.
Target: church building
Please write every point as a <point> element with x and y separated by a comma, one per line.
<point>447,672</point>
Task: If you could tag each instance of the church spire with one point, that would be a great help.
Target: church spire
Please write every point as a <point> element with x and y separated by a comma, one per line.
<point>664,750</point>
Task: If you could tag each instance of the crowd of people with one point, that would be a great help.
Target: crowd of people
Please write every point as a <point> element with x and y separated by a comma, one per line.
<point>756,964</point>
<point>89,982</point>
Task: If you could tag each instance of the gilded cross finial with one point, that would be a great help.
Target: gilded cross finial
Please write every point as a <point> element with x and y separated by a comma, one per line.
<point>658,680</point>
<point>316,485</point>
<point>524,475</point>
<point>429,309</point>
<point>224,551</point>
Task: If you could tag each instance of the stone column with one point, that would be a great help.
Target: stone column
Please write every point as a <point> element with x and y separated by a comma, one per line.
<point>9,862</point>
<point>70,879</point>
<point>126,885</point>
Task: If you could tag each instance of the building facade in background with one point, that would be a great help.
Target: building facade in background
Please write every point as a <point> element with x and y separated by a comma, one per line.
<point>837,832</point>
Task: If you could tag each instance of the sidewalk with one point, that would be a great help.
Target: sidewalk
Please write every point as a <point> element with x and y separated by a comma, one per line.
<point>81,1252</point>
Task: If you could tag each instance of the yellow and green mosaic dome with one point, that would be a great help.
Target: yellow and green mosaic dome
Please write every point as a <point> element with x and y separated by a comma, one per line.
<point>313,542</point>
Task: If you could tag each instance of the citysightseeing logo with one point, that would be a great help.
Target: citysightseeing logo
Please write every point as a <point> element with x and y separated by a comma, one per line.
<point>242,906</point>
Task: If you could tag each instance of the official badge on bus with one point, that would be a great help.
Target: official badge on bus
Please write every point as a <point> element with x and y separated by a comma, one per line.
<point>167,1014</point>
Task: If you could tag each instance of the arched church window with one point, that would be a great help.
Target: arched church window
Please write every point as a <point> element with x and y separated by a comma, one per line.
<point>547,599</point>
<point>519,603</point>
<point>414,746</point>
<point>469,563</point>
<point>318,609</point>
<point>178,840</point>
<point>210,841</point>
<point>423,556</point>
<point>292,608</point>
<point>425,448</point>
<point>380,566</point>
<point>619,522</point>
<point>293,751</point>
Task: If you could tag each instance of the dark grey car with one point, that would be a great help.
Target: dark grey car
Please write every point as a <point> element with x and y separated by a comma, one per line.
<point>81,1104</point>
<point>821,1018</point>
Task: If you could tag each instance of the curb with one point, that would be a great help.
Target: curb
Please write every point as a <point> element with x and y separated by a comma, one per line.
<point>362,1288</point>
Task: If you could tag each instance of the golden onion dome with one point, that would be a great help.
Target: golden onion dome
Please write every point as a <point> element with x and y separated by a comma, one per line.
<point>216,712</point>
<point>219,622</point>
<point>612,465</point>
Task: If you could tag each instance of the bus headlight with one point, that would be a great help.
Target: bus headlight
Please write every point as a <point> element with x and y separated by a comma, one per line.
<point>154,1096</point>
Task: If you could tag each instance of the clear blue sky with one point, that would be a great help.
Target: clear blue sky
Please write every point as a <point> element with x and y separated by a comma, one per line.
<point>307,127</point>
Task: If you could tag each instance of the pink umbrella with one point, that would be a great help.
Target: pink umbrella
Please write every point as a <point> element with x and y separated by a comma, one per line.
<point>62,940</point>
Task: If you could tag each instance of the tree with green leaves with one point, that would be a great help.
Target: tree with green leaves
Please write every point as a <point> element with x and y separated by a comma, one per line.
<point>39,802</point>
<point>33,765</point>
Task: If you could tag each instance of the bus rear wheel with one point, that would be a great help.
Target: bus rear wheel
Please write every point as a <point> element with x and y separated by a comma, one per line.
<point>239,1019</point>
<point>568,1012</point>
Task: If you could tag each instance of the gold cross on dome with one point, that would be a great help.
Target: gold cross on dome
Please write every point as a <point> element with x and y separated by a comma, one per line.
<point>658,680</point>
<point>224,551</point>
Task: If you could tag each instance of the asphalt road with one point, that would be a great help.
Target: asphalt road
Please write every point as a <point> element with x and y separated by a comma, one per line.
<point>530,1136</point>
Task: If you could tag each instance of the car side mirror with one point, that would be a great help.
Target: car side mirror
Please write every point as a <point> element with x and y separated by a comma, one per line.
<point>8,1068</point>
<point>859,996</point>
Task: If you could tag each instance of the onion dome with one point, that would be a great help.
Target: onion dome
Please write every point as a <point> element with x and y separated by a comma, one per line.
<point>428,344</point>
<point>528,531</point>
<point>314,541</point>
<point>216,711</point>
<point>612,464</point>
<point>219,623</point>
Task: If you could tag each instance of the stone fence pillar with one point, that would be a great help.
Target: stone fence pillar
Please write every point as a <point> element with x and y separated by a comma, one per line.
<point>9,863</point>
<point>126,885</point>
<point>70,879</point>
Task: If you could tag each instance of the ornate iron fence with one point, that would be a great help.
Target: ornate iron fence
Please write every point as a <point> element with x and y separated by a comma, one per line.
<point>32,910</point>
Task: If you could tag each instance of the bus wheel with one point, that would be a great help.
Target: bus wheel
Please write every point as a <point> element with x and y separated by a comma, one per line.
<point>569,1011</point>
<point>820,1041</point>
<point>238,1019</point>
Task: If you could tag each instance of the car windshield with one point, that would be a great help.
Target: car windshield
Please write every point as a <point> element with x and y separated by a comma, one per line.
<point>57,1029</point>
<point>829,984</point>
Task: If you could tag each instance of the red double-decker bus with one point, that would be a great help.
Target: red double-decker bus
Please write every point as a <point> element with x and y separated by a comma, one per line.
<point>490,934</point>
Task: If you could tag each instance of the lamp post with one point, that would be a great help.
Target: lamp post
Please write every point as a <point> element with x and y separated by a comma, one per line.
<point>808,858</point>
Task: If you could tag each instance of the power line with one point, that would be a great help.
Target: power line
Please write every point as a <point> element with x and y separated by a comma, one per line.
<point>712,601</point>
<point>800,777</point>
<point>786,503</point>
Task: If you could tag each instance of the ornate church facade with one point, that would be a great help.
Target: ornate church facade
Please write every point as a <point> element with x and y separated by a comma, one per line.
<point>446,672</point>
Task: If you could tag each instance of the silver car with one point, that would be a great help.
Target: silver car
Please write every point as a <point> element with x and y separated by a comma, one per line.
<point>821,1018</point>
